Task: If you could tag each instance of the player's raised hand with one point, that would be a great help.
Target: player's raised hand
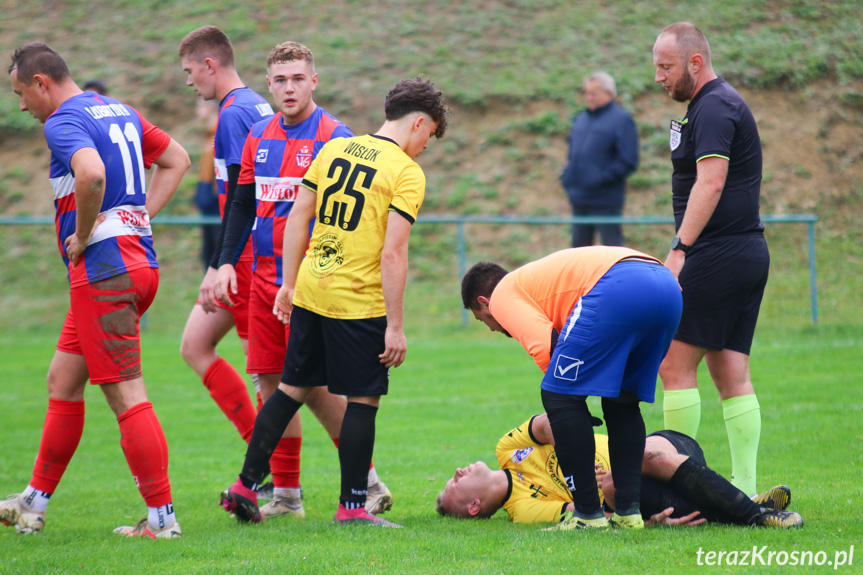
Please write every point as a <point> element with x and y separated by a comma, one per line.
<point>284,304</point>
<point>396,347</point>
<point>225,284</point>
<point>207,292</point>
<point>663,518</point>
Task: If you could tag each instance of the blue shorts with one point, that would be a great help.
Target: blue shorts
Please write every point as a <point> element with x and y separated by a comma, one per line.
<point>617,334</point>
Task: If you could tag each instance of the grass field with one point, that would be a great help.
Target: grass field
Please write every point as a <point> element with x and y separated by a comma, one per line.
<point>460,389</point>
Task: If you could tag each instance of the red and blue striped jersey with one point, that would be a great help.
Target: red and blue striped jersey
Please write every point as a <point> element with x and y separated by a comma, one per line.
<point>238,111</point>
<point>275,159</point>
<point>128,144</point>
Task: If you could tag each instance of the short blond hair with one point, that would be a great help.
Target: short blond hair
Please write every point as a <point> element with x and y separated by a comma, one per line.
<point>290,52</point>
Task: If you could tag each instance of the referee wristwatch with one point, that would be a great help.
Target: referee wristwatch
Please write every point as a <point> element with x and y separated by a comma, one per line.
<point>676,244</point>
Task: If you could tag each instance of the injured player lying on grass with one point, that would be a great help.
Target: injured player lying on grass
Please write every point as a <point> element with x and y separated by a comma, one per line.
<point>677,486</point>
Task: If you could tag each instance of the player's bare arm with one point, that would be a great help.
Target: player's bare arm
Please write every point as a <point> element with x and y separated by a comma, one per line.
<point>702,202</point>
<point>540,428</point>
<point>168,170</point>
<point>295,240</point>
<point>89,191</point>
<point>394,273</point>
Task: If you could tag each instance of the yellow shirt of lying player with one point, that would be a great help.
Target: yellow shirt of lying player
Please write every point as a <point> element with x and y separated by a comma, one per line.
<point>358,182</point>
<point>537,490</point>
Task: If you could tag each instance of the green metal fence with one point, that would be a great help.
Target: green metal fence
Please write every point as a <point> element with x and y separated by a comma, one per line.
<point>462,221</point>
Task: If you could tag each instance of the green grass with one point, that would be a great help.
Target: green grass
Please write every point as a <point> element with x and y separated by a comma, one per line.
<point>460,389</point>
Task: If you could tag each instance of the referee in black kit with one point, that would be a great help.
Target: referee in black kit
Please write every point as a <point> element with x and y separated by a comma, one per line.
<point>719,253</point>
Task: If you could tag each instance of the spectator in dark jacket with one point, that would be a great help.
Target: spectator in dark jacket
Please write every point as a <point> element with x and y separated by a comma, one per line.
<point>603,151</point>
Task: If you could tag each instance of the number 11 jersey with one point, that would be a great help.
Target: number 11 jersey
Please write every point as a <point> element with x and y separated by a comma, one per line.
<point>127,144</point>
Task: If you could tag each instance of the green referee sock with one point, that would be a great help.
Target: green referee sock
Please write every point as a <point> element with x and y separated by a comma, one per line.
<point>743,424</point>
<point>682,410</point>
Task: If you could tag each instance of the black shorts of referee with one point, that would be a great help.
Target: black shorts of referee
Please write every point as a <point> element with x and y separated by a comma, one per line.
<point>723,282</point>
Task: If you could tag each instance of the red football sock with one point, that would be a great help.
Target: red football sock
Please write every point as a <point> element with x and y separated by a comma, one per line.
<point>285,463</point>
<point>228,390</point>
<point>146,451</point>
<point>64,424</point>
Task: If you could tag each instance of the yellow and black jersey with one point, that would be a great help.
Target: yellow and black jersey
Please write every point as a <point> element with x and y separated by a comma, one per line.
<point>537,489</point>
<point>358,182</point>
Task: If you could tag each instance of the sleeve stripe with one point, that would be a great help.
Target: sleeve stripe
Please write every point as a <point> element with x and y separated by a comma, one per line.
<point>530,430</point>
<point>405,215</point>
<point>509,487</point>
<point>713,156</point>
<point>312,186</point>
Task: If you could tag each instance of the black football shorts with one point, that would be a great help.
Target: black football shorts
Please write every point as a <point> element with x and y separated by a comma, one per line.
<point>339,353</point>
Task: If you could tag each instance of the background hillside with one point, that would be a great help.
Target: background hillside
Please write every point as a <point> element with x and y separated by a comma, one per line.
<point>511,70</point>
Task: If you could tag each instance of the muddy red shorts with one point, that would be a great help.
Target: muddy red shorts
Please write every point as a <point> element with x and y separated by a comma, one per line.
<point>103,324</point>
<point>268,337</point>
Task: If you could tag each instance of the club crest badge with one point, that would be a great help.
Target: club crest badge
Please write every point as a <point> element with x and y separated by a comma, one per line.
<point>261,156</point>
<point>304,157</point>
<point>327,255</point>
<point>520,455</point>
<point>674,134</point>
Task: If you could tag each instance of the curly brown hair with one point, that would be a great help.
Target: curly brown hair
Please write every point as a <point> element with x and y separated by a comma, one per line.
<point>290,52</point>
<point>417,95</point>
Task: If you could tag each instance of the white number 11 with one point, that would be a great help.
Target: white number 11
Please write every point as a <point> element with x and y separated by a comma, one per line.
<point>131,134</point>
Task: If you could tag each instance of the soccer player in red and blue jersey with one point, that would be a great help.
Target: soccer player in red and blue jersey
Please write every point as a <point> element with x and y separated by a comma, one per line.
<point>99,151</point>
<point>208,58</point>
<point>277,154</point>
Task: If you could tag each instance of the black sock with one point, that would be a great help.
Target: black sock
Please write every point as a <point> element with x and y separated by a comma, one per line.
<point>626,439</point>
<point>701,484</point>
<point>572,426</point>
<point>356,444</point>
<point>270,424</point>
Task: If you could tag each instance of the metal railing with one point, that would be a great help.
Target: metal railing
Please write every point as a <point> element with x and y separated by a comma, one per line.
<point>461,221</point>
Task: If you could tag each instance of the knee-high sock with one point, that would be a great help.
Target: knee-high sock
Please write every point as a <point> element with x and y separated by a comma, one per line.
<point>682,410</point>
<point>64,424</point>
<point>270,424</point>
<point>285,463</point>
<point>228,390</point>
<point>743,425</point>
<point>146,451</point>
<point>626,439</point>
<point>703,486</point>
<point>575,446</point>
<point>335,441</point>
<point>356,445</point>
